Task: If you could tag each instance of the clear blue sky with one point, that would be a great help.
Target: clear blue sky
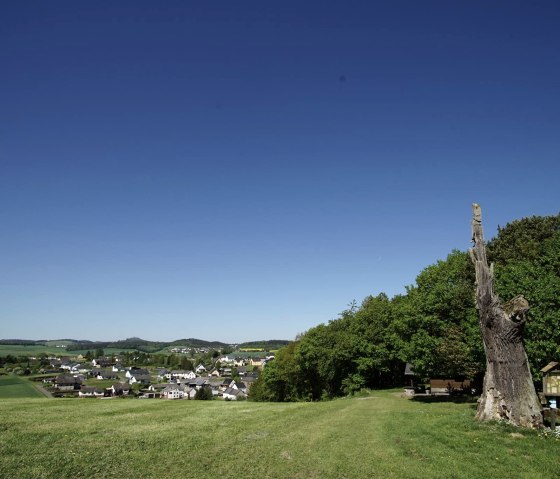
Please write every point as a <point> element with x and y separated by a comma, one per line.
<point>243,170</point>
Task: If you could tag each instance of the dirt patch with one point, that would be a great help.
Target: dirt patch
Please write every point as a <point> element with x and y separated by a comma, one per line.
<point>286,455</point>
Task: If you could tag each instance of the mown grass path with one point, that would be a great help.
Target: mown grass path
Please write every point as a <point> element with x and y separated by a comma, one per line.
<point>378,436</point>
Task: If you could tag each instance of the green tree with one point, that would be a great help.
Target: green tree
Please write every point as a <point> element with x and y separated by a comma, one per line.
<point>186,363</point>
<point>324,355</point>
<point>442,337</point>
<point>374,333</point>
<point>280,380</point>
<point>204,394</point>
<point>43,359</point>
<point>539,282</point>
<point>523,240</point>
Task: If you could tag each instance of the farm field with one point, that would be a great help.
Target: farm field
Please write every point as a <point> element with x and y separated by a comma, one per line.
<point>35,350</point>
<point>16,387</point>
<point>106,351</point>
<point>21,350</point>
<point>381,435</point>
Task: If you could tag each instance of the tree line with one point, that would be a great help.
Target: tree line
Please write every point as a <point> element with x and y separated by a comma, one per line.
<point>434,325</point>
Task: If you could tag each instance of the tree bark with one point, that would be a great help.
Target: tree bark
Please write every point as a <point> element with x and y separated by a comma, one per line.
<point>508,391</point>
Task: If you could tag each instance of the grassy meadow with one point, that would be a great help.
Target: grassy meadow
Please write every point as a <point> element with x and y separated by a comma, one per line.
<point>12,386</point>
<point>36,350</point>
<point>382,435</point>
<point>50,349</point>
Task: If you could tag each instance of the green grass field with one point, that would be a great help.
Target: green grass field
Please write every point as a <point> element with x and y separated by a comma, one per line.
<point>16,387</point>
<point>19,350</point>
<point>382,436</point>
<point>106,351</point>
<point>51,349</point>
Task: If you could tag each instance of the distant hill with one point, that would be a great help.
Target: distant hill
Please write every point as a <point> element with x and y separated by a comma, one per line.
<point>199,343</point>
<point>20,342</point>
<point>145,345</point>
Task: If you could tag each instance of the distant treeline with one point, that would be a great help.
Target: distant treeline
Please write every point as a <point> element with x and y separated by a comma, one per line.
<point>38,342</point>
<point>199,343</point>
<point>434,325</point>
<point>266,345</point>
<point>145,345</point>
<point>20,342</point>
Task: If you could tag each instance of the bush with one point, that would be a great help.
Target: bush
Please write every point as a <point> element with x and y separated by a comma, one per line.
<point>204,394</point>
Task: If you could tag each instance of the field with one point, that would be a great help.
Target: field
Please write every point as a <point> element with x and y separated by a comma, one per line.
<point>20,350</point>
<point>50,349</point>
<point>16,387</point>
<point>382,435</point>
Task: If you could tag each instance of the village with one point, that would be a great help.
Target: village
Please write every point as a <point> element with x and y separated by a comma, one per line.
<point>229,378</point>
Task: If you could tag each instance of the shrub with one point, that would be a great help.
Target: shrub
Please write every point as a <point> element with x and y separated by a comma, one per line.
<point>204,394</point>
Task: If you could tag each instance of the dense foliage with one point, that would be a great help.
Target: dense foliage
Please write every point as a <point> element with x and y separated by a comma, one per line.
<point>204,394</point>
<point>527,257</point>
<point>434,325</point>
<point>20,342</point>
<point>265,345</point>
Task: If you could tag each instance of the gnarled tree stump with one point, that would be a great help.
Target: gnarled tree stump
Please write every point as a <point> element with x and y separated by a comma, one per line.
<point>508,391</point>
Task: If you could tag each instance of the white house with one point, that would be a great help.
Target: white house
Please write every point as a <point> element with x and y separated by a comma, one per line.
<point>106,374</point>
<point>172,392</point>
<point>101,362</point>
<point>226,360</point>
<point>238,385</point>
<point>231,394</point>
<point>180,375</point>
<point>134,371</point>
<point>73,367</point>
<point>257,362</point>
<point>139,378</point>
<point>90,391</point>
<point>189,393</point>
<point>67,383</point>
<point>119,389</point>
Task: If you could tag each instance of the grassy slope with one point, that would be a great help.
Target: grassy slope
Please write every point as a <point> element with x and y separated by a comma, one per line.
<point>17,387</point>
<point>19,350</point>
<point>382,436</point>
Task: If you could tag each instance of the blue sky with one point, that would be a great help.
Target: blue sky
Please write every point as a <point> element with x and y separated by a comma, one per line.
<point>236,171</point>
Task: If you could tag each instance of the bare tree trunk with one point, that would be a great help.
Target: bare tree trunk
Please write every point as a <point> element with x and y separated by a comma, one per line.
<point>508,391</point>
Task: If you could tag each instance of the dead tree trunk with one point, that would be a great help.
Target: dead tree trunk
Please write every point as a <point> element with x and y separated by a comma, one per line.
<point>508,391</point>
